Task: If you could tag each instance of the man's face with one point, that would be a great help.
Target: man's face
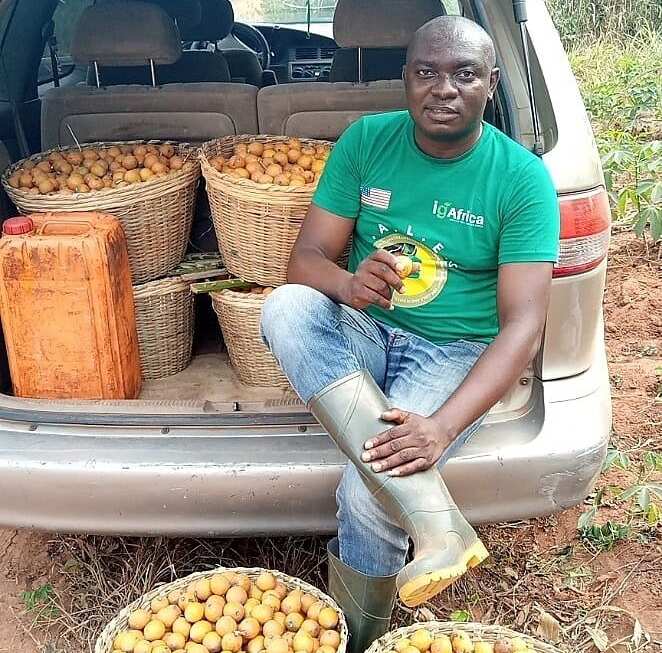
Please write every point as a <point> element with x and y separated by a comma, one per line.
<point>448,86</point>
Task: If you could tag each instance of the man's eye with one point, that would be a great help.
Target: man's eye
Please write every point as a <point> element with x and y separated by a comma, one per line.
<point>466,75</point>
<point>425,73</point>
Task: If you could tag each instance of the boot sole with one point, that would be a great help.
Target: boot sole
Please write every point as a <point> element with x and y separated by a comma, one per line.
<point>423,588</point>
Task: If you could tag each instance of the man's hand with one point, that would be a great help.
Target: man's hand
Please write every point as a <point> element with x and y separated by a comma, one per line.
<point>415,444</point>
<point>373,282</point>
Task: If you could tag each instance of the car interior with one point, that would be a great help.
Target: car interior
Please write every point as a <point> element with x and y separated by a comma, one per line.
<point>185,70</point>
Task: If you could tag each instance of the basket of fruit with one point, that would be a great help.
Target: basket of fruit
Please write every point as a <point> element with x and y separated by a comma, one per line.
<point>453,637</point>
<point>259,189</point>
<point>164,318</point>
<point>235,610</point>
<point>239,311</point>
<point>149,186</point>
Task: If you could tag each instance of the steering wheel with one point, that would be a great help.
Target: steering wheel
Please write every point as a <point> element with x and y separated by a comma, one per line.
<point>255,40</point>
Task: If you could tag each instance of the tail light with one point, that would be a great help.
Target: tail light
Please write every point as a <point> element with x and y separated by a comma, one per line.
<point>585,227</point>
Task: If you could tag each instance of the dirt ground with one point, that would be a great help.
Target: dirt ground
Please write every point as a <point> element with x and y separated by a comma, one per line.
<point>541,576</point>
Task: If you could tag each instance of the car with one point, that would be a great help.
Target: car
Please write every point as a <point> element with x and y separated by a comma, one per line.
<point>201,454</point>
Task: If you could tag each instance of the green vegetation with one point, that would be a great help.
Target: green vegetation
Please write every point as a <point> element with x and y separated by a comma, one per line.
<point>41,602</point>
<point>581,21</point>
<point>622,89</point>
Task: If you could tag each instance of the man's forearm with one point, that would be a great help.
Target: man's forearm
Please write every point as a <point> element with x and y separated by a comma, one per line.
<point>310,267</point>
<point>500,365</point>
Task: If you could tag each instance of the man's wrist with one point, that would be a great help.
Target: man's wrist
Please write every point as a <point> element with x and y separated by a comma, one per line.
<point>447,426</point>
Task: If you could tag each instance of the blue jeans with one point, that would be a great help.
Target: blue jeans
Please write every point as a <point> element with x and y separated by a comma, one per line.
<point>316,342</point>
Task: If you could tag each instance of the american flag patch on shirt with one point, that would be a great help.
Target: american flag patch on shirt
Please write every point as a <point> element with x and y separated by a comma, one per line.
<point>376,197</point>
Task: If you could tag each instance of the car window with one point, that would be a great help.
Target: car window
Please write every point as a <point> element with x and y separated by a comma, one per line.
<point>296,11</point>
<point>65,17</point>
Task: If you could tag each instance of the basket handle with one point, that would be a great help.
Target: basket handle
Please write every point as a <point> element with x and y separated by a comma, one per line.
<point>64,228</point>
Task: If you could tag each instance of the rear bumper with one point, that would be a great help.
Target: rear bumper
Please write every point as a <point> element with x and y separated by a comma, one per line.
<point>188,482</point>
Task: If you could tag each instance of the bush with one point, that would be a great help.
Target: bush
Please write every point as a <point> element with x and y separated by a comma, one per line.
<point>622,91</point>
<point>580,21</point>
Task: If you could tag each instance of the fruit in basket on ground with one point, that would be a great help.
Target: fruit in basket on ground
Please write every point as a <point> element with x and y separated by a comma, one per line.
<point>461,642</point>
<point>280,620</point>
<point>483,647</point>
<point>138,619</point>
<point>503,646</point>
<point>441,644</point>
<point>421,639</point>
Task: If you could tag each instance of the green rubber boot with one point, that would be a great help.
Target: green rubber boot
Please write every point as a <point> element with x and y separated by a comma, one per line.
<point>445,544</point>
<point>367,601</point>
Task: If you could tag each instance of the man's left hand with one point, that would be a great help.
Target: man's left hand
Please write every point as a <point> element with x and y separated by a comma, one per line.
<point>415,444</point>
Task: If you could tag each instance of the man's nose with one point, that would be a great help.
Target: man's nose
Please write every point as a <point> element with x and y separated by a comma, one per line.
<point>445,87</point>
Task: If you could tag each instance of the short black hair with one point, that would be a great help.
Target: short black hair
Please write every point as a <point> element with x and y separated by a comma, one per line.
<point>455,30</point>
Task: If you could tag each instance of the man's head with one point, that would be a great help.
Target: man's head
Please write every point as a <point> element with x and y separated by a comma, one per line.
<point>449,77</point>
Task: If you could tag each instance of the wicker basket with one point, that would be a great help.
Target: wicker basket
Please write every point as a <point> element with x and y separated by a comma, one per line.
<point>156,215</point>
<point>476,631</point>
<point>104,643</point>
<point>256,224</point>
<point>239,318</point>
<point>164,317</point>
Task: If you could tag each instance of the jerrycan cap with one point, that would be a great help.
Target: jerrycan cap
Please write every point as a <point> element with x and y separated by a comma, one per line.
<point>17,226</point>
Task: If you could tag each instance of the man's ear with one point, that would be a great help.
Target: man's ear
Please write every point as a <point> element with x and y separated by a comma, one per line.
<point>494,81</point>
<point>404,72</point>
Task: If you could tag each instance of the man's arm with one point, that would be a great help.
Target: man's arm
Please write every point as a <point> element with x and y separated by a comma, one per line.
<point>321,242</point>
<point>417,443</point>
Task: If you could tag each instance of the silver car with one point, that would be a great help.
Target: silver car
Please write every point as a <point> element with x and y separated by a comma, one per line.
<point>201,454</point>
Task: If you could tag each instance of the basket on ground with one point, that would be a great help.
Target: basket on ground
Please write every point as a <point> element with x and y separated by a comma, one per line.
<point>256,224</point>
<point>164,318</point>
<point>104,643</point>
<point>156,215</point>
<point>476,631</point>
<point>239,318</point>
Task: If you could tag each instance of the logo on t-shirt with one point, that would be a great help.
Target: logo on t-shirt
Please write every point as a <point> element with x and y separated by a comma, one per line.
<point>375,197</point>
<point>424,285</point>
<point>445,210</point>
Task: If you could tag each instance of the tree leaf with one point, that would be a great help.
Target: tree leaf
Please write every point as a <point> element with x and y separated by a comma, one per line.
<point>653,515</point>
<point>461,616</point>
<point>656,195</point>
<point>549,628</point>
<point>629,492</point>
<point>656,224</point>
<point>644,498</point>
<point>586,519</point>
<point>599,637</point>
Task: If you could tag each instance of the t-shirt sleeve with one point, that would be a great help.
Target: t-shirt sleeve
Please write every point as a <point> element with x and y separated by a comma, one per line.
<point>339,188</point>
<point>531,219</point>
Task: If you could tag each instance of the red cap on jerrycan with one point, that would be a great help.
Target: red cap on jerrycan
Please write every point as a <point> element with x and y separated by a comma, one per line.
<point>17,226</point>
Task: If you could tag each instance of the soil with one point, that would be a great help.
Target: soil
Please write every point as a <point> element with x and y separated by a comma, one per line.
<point>541,573</point>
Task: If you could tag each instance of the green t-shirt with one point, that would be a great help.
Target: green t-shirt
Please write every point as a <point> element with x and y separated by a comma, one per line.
<point>459,218</point>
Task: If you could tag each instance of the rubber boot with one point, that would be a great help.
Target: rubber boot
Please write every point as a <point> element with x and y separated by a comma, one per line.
<point>367,601</point>
<point>445,544</point>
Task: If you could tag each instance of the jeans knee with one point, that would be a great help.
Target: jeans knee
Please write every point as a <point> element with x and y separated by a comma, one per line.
<point>355,501</point>
<point>286,309</point>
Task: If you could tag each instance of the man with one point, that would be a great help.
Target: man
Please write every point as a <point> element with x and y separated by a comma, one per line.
<point>430,354</point>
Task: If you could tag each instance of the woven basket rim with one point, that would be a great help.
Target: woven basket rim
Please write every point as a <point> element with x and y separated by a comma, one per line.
<point>161,286</point>
<point>491,631</point>
<point>125,192</point>
<point>104,641</point>
<point>210,172</point>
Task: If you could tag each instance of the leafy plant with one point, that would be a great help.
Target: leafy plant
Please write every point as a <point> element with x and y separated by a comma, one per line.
<point>605,536</point>
<point>461,616</point>
<point>632,174</point>
<point>41,601</point>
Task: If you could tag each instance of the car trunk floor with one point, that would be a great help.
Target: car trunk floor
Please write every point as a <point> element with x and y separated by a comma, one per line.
<point>210,377</point>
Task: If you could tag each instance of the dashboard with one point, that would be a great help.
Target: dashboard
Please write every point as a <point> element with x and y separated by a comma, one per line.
<point>297,56</point>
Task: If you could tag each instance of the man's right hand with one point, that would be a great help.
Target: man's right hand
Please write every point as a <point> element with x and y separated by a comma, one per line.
<point>373,282</point>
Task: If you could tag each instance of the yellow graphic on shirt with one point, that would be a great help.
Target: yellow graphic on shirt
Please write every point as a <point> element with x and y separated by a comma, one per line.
<point>423,286</point>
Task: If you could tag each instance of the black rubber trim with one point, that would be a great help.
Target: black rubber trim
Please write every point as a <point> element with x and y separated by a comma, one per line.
<point>124,419</point>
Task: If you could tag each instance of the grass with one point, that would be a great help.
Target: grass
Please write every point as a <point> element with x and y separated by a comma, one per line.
<point>581,21</point>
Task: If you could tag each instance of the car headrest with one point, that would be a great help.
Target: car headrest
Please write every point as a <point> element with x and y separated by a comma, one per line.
<point>121,33</point>
<point>359,24</point>
<point>186,12</point>
<point>216,23</point>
